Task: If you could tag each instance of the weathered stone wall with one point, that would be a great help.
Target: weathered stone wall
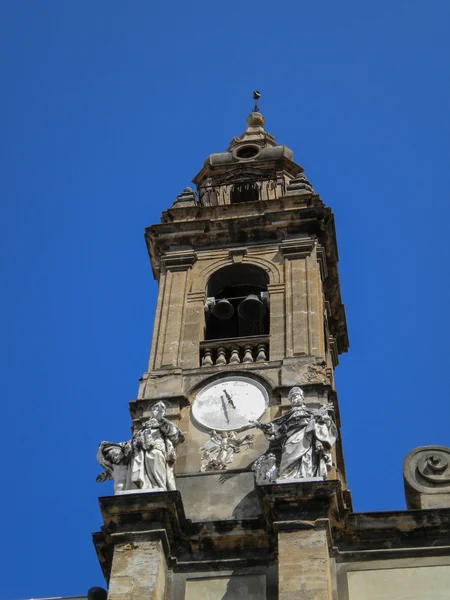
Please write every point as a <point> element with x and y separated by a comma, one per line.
<point>414,578</point>
<point>304,565</point>
<point>139,571</point>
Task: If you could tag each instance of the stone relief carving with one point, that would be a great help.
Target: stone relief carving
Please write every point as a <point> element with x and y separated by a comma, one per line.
<point>435,468</point>
<point>428,467</point>
<point>219,450</point>
<point>306,436</point>
<point>144,463</point>
<point>315,374</point>
<point>426,474</point>
<point>265,469</point>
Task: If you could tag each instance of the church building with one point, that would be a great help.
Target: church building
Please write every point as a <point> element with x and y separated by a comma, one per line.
<point>233,483</point>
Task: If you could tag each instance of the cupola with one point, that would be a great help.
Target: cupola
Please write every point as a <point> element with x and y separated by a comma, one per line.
<point>254,167</point>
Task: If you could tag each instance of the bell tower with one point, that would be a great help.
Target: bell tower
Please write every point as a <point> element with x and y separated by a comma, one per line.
<point>249,307</point>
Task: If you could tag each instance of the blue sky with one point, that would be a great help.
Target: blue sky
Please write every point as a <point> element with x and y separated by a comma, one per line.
<point>108,110</point>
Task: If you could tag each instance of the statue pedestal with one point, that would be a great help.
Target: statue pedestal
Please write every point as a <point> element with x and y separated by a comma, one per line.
<point>303,480</point>
<point>138,533</point>
<point>300,512</point>
<point>301,501</point>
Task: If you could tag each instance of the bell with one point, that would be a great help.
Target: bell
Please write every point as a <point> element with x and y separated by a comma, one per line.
<point>251,309</point>
<point>223,309</point>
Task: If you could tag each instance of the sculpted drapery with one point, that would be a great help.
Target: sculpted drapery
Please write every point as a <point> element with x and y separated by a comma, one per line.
<point>306,437</point>
<point>145,463</point>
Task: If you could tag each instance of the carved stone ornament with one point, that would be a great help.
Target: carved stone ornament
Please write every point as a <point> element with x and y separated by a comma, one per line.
<point>315,374</point>
<point>144,463</point>
<point>306,436</point>
<point>218,452</point>
<point>426,473</point>
<point>186,198</point>
<point>300,185</point>
<point>265,469</point>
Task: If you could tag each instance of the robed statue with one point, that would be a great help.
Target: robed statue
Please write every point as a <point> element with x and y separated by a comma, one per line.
<point>306,436</point>
<point>144,463</point>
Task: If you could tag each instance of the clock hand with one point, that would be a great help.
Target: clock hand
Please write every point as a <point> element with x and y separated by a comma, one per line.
<point>230,399</point>
<point>224,408</point>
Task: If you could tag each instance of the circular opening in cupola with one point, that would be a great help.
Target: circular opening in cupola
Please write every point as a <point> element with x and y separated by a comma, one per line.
<point>247,152</point>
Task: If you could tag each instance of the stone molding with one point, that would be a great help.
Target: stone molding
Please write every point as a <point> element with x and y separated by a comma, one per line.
<point>276,288</point>
<point>297,248</point>
<point>178,261</point>
<point>334,351</point>
<point>322,260</point>
<point>199,296</point>
<point>230,257</point>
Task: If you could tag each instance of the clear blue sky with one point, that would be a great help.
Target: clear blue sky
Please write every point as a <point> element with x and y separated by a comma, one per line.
<point>108,110</point>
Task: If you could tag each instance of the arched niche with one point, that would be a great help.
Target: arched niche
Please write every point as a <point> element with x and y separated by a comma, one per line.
<point>227,289</point>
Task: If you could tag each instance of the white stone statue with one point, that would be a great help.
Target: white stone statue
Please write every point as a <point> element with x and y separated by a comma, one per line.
<point>145,463</point>
<point>219,450</point>
<point>114,458</point>
<point>265,469</point>
<point>306,435</point>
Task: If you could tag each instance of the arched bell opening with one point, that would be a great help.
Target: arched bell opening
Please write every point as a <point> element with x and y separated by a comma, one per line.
<point>237,305</point>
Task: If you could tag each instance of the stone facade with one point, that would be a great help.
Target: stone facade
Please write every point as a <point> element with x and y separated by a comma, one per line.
<point>254,232</point>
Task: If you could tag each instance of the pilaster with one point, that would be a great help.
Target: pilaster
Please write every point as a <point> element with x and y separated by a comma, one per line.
<point>170,315</point>
<point>304,565</point>
<point>304,305</point>
<point>192,329</point>
<point>277,321</point>
<point>139,571</point>
<point>301,514</point>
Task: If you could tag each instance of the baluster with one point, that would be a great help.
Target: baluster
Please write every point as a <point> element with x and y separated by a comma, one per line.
<point>221,356</point>
<point>261,350</point>
<point>248,354</point>
<point>207,360</point>
<point>234,358</point>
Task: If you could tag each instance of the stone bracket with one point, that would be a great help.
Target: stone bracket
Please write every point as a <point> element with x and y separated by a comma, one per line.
<point>146,516</point>
<point>179,260</point>
<point>298,248</point>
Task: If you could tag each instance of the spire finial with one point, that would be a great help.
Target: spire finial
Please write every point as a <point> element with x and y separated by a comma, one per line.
<point>256,97</point>
<point>255,118</point>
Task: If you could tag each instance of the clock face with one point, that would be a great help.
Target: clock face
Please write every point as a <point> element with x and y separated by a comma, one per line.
<point>230,403</point>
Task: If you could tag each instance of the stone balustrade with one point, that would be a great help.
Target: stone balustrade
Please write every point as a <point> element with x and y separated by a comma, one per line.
<point>234,351</point>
